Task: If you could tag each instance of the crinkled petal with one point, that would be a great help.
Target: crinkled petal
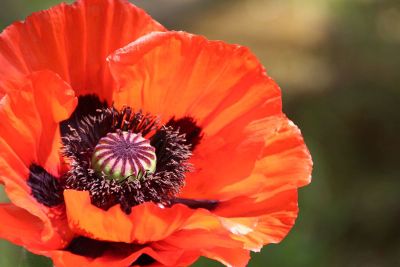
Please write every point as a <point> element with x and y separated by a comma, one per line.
<point>262,207</point>
<point>204,239</point>
<point>73,41</point>
<point>170,258</point>
<point>257,221</point>
<point>284,162</point>
<point>243,222</point>
<point>223,87</point>
<point>21,227</point>
<point>178,74</point>
<point>215,244</point>
<point>29,133</point>
<point>147,222</point>
<point>229,257</point>
<point>197,231</point>
<point>30,116</point>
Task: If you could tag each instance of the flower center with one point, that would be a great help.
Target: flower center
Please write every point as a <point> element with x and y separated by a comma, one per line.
<point>124,155</point>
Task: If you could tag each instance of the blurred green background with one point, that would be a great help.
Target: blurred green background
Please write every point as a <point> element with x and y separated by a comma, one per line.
<point>338,63</point>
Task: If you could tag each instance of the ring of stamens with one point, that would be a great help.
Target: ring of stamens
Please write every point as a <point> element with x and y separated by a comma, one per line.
<point>107,187</point>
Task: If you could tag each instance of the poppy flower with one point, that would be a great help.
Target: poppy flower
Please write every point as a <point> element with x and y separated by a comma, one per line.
<point>124,144</point>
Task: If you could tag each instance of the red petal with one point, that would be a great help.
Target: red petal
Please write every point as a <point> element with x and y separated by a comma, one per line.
<point>262,207</point>
<point>257,222</point>
<point>146,223</point>
<point>29,133</point>
<point>30,117</point>
<point>284,162</point>
<point>20,227</point>
<point>215,244</point>
<point>229,257</point>
<point>199,239</point>
<point>73,41</point>
<point>171,258</point>
<point>222,86</point>
<point>178,74</point>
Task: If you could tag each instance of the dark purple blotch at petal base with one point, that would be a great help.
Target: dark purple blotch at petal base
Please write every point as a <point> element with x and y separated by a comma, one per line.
<point>45,188</point>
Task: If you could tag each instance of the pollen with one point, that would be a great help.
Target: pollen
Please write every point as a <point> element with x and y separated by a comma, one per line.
<point>124,155</point>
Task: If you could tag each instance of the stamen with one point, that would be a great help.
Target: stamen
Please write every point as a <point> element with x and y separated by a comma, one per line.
<point>189,128</point>
<point>87,105</point>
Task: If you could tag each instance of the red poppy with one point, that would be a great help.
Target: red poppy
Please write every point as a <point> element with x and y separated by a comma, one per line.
<point>123,144</point>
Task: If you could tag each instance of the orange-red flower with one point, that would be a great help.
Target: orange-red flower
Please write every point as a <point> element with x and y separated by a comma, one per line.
<point>124,144</point>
